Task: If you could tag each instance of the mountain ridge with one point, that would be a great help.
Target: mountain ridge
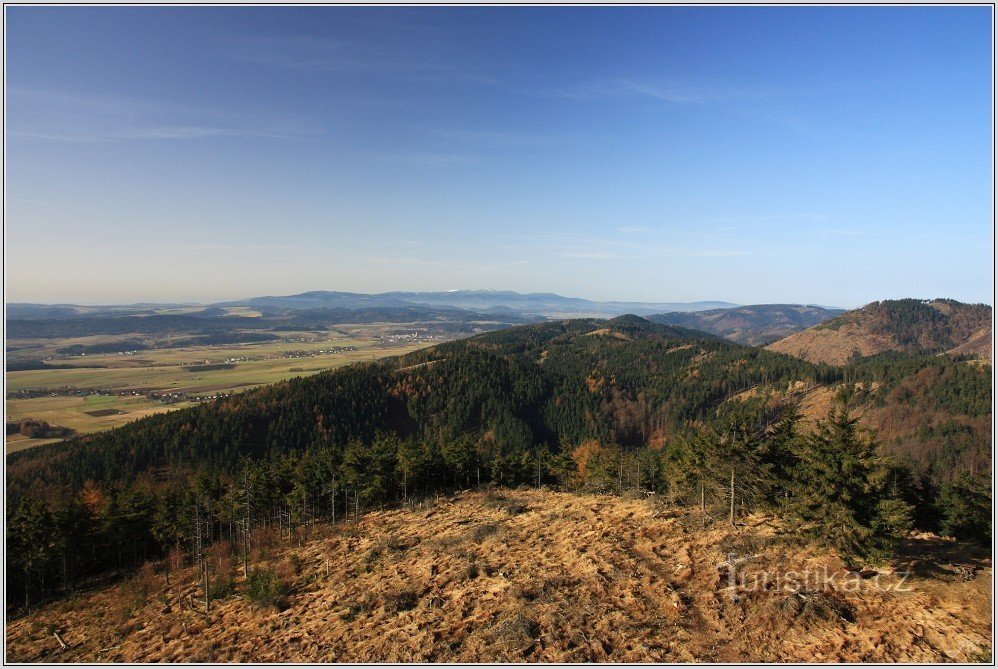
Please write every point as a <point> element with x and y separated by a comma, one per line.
<point>753,325</point>
<point>546,304</point>
<point>915,326</point>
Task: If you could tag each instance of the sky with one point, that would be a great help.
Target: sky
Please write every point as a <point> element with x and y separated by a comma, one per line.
<point>831,156</point>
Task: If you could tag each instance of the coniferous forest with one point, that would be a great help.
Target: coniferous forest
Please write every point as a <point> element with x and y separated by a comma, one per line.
<point>597,405</point>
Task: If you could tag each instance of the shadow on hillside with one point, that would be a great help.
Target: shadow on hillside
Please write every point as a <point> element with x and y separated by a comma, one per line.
<point>935,557</point>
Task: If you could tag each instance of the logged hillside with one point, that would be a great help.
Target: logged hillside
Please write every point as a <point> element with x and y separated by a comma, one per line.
<point>910,326</point>
<point>536,576</point>
<point>755,325</point>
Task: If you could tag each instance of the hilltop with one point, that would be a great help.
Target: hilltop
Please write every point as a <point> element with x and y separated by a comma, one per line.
<point>753,325</point>
<point>538,576</point>
<point>909,326</point>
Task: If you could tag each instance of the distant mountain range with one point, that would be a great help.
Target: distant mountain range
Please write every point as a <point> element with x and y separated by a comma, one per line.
<point>465,304</point>
<point>755,325</point>
<point>493,301</point>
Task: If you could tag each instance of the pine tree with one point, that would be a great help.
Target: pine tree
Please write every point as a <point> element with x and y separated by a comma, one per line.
<point>31,546</point>
<point>965,507</point>
<point>842,493</point>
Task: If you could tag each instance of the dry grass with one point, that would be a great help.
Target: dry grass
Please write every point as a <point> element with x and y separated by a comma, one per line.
<point>832,346</point>
<point>566,578</point>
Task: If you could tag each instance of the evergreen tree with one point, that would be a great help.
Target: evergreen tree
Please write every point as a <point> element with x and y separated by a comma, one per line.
<point>841,493</point>
<point>965,507</point>
<point>31,547</point>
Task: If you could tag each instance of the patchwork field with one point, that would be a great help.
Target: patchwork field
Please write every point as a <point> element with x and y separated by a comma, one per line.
<point>90,413</point>
<point>103,391</point>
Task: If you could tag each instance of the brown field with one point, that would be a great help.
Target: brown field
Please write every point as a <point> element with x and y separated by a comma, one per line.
<point>538,576</point>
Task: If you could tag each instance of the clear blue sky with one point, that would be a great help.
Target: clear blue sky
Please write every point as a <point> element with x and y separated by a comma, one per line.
<point>821,155</point>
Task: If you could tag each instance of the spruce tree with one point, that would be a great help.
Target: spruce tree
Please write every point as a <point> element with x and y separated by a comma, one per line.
<point>842,493</point>
<point>965,508</point>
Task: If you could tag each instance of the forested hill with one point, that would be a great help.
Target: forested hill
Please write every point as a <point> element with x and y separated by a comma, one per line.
<point>505,394</point>
<point>624,380</point>
<point>909,325</point>
<point>754,325</point>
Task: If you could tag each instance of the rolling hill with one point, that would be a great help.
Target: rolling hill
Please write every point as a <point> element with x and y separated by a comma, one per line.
<point>623,381</point>
<point>909,326</point>
<point>277,319</point>
<point>754,325</point>
<point>318,309</point>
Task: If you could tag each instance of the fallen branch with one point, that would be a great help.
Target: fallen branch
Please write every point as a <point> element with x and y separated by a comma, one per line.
<point>727,564</point>
<point>59,639</point>
<point>100,653</point>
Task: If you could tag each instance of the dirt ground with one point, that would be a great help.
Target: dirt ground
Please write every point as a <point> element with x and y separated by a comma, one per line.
<point>831,346</point>
<point>540,576</point>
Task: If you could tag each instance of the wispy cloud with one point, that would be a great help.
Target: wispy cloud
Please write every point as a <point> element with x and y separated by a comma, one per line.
<point>652,253</point>
<point>299,52</point>
<point>317,55</point>
<point>446,263</point>
<point>230,248</point>
<point>621,88</point>
<point>596,254</point>
<point>79,138</point>
<point>41,203</point>
<point>592,247</point>
<point>847,232</point>
<point>56,116</point>
<point>198,132</point>
<point>423,158</point>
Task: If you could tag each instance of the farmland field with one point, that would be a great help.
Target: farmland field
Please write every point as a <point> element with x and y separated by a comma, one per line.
<point>89,393</point>
<point>90,413</point>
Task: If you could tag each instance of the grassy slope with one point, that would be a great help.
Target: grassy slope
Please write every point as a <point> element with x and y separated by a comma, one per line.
<point>560,577</point>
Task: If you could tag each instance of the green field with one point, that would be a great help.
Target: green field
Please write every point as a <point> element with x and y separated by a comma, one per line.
<point>72,412</point>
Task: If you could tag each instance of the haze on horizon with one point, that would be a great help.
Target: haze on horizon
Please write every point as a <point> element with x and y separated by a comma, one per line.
<point>822,155</point>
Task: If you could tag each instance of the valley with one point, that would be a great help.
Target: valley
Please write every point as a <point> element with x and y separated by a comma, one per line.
<point>130,361</point>
<point>128,368</point>
<point>134,384</point>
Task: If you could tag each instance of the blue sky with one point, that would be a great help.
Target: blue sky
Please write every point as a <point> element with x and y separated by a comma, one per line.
<point>822,155</point>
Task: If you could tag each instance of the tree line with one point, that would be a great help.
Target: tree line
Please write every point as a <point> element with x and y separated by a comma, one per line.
<point>833,481</point>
